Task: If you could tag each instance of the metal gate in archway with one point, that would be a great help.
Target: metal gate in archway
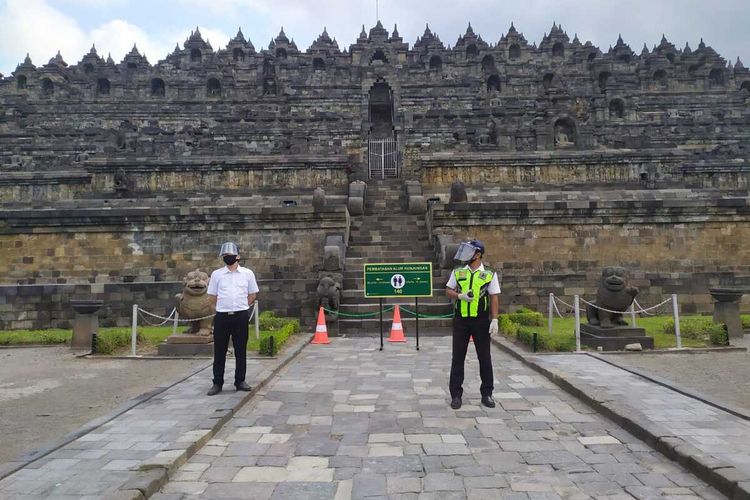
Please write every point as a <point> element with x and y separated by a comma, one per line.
<point>383,158</point>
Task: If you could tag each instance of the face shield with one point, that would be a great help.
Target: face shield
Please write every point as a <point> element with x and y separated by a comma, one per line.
<point>465,252</point>
<point>228,248</point>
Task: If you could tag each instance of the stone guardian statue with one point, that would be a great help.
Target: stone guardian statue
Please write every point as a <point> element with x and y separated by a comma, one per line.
<point>193,303</point>
<point>613,294</point>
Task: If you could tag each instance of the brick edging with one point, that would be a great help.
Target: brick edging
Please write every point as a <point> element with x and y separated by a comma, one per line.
<point>153,475</point>
<point>719,474</point>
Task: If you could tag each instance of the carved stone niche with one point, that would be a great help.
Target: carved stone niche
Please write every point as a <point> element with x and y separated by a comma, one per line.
<point>565,133</point>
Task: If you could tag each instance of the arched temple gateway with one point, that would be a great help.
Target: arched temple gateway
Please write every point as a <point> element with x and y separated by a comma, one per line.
<point>117,178</point>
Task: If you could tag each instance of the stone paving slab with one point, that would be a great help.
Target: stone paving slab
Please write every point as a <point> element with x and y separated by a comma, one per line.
<point>711,442</point>
<point>131,455</point>
<point>347,421</point>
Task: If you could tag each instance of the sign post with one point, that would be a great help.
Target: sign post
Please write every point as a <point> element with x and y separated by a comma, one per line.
<point>410,279</point>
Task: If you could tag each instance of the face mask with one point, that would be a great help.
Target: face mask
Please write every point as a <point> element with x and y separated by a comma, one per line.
<point>230,259</point>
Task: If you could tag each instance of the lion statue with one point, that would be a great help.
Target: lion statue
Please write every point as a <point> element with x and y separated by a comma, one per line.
<point>193,303</point>
<point>329,293</point>
<point>613,294</point>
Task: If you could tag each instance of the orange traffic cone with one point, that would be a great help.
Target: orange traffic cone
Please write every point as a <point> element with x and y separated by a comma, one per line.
<point>321,332</point>
<point>397,331</point>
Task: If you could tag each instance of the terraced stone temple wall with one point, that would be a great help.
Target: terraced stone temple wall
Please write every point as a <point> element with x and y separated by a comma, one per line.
<point>132,255</point>
<point>122,173</point>
<point>675,242</point>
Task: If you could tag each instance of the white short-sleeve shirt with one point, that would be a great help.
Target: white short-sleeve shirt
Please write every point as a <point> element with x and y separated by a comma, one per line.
<point>493,289</point>
<point>231,288</point>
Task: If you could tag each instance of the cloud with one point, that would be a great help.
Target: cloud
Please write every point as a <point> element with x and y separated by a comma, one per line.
<point>35,27</point>
<point>43,26</point>
<point>117,37</point>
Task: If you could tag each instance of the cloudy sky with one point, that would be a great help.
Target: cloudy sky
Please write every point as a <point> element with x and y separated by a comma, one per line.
<point>42,27</point>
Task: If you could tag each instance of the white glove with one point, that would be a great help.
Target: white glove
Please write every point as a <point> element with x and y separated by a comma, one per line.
<point>493,327</point>
<point>466,297</point>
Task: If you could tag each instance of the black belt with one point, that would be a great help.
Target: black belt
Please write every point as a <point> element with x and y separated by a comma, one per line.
<point>231,313</point>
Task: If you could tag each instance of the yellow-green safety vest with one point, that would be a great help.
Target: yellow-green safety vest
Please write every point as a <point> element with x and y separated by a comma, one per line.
<point>478,282</point>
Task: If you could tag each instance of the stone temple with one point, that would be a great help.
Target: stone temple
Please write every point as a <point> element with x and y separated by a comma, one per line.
<point>116,179</point>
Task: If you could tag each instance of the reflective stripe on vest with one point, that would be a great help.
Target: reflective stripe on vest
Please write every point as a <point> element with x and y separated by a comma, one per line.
<point>478,282</point>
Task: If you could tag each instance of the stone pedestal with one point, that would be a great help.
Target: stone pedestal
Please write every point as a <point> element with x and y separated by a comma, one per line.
<point>727,310</point>
<point>86,322</point>
<point>614,339</point>
<point>185,344</point>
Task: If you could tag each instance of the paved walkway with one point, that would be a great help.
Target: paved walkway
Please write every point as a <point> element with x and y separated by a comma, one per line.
<point>132,452</point>
<point>720,439</point>
<point>348,421</point>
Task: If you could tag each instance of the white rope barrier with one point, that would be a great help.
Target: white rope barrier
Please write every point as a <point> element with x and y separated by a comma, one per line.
<point>170,316</point>
<point>174,317</point>
<point>554,304</point>
<point>646,310</point>
<point>632,310</point>
<point>141,315</point>
<point>561,301</point>
<point>623,312</point>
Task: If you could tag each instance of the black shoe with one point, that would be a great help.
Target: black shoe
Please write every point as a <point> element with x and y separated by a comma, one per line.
<point>488,401</point>
<point>242,386</point>
<point>456,402</point>
<point>214,390</point>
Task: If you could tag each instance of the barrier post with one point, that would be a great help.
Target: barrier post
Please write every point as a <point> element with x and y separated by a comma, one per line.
<point>549,312</point>
<point>174,322</point>
<point>257,321</point>
<point>676,313</point>
<point>632,314</point>
<point>134,331</point>
<point>577,308</point>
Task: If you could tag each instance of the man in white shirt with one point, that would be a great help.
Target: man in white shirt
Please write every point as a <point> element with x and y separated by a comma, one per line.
<point>231,289</point>
<point>475,289</point>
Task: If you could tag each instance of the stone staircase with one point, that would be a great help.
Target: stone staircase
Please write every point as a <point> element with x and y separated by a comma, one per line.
<point>387,234</point>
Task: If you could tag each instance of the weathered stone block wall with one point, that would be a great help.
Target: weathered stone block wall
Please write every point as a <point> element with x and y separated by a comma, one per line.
<point>657,168</point>
<point>131,178</point>
<point>234,174</point>
<point>114,252</point>
<point>682,246</point>
<point>48,306</point>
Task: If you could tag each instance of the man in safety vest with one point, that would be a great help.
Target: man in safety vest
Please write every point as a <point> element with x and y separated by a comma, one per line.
<point>475,289</point>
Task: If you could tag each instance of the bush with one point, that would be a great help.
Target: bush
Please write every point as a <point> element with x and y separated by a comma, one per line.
<point>527,317</point>
<point>555,342</point>
<point>269,321</point>
<point>270,347</point>
<point>745,321</point>
<point>507,326</point>
<point>696,328</point>
<point>718,335</point>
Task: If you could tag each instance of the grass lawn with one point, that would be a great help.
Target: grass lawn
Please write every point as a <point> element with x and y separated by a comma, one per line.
<point>654,325</point>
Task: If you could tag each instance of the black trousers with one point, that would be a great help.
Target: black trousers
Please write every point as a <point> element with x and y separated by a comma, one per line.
<point>463,328</point>
<point>232,325</point>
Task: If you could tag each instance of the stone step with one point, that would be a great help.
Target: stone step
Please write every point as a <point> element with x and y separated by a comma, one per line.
<point>391,256</point>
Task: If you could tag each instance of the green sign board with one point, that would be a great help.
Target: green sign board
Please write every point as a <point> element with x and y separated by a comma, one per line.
<point>411,279</point>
